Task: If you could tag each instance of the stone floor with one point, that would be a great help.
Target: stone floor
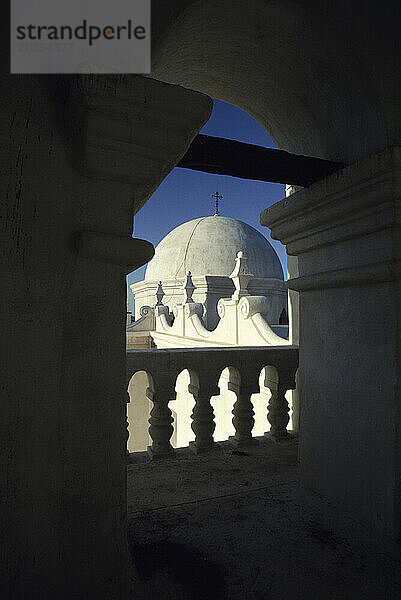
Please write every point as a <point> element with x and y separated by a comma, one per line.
<point>235,525</point>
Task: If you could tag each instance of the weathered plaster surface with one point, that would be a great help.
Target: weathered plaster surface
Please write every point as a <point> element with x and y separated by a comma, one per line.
<point>345,233</point>
<point>67,167</point>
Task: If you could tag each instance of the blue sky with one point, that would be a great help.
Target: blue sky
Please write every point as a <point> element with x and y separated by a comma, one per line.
<point>186,194</point>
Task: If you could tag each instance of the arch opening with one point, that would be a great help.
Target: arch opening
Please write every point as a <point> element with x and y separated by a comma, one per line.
<point>284,66</point>
<point>140,392</point>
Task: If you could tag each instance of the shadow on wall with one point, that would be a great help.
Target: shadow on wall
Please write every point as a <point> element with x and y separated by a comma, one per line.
<point>184,566</point>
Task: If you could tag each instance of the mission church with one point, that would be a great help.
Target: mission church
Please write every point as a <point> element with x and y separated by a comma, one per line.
<point>214,281</point>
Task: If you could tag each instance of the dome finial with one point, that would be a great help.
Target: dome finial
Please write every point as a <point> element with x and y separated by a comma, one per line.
<point>159,294</point>
<point>188,288</point>
<point>240,276</point>
<point>218,197</point>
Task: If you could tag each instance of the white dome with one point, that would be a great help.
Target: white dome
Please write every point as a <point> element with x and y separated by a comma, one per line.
<point>208,246</point>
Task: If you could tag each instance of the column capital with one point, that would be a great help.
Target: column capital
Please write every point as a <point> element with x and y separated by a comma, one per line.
<point>125,252</point>
<point>343,228</point>
<point>132,129</point>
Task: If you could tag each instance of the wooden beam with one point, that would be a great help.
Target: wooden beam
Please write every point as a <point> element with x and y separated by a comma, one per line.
<point>228,157</point>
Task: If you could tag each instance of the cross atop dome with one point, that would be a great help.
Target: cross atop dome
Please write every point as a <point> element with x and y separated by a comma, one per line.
<point>218,197</point>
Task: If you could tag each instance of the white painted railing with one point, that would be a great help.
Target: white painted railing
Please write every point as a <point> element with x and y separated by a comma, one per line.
<point>205,366</point>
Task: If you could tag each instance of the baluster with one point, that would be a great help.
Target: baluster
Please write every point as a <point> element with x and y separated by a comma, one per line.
<point>161,419</point>
<point>243,419</point>
<point>277,413</point>
<point>243,413</point>
<point>203,424</point>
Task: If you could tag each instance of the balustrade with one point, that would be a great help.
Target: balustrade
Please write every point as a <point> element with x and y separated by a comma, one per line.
<point>205,366</point>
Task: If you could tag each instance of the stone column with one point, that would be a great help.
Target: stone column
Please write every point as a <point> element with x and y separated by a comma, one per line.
<point>203,424</point>
<point>203,386</point>
<point>277,414</point>
<point>244,382</point>
<point>79,156</point>
<point>161,419</point>
<point>243,419</point>
<point>344,232</point>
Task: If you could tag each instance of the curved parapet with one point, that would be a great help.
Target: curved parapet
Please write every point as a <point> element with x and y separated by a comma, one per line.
<point>195,308</point>
<point>186,329</point>
<point>196,327</point>
<point>145,311</point>
<point>162,320</point>
<point>251,305</point>
<point>253,329</point>
<point>241,323</point>
<point>266,332</point>
<point>146,322</point>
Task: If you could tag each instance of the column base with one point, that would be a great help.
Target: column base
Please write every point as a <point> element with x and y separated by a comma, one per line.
<point>159,455</point>
<point>243,443</point>
<point>203,450</point>
<point>277,439</point>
